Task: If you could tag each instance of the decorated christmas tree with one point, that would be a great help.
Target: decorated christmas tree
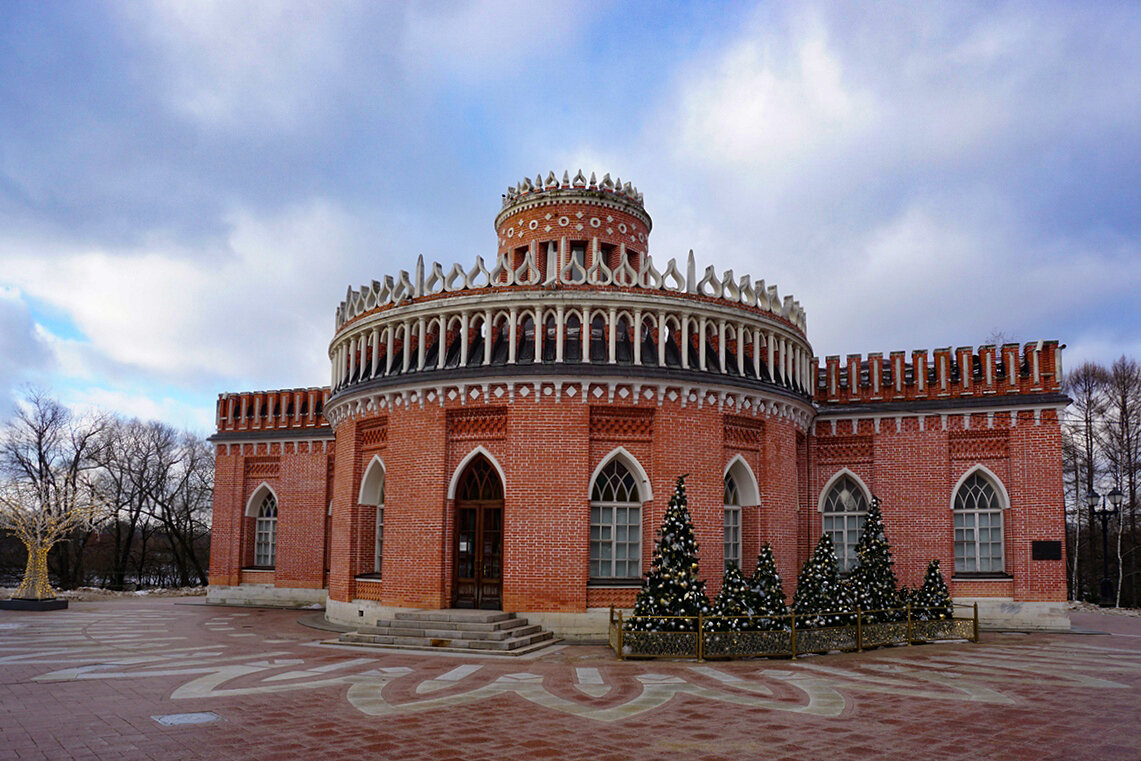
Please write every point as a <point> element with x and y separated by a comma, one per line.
<point>672,587</point>
<point>735,604</point>
<point>820,597</point>
<point>768,589</point>
<point>872,582</point>
<point>932,601</point>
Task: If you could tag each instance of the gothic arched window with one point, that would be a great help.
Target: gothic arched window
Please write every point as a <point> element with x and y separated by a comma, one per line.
<point>845,509</point>
<point>732,521</point>
<point>480,482</point>
<point>978,526</point>
<point>265,532</point>
<point>372,493</point>
<point>615,524</point>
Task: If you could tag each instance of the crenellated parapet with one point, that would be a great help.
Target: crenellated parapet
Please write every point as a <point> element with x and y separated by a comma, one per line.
<point>573,292</point>
<point>606,190</point>
<point>593,273</point>
<point>942,374</point>
<point>571,233</point>
<point>294,409</point>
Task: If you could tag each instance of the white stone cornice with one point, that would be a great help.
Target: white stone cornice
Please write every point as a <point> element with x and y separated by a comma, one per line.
<point>594,390</point>
<point>943,415</point>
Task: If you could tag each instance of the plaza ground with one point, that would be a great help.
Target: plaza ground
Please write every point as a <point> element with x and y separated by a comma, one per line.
<point>129,678</point>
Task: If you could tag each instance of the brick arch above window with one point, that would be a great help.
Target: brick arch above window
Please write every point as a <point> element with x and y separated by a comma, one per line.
<point>372,484</point>
<point>747,489</point>
<point>258,496</point>
<point>859,482</point>
<point>989,475</point>
<point>453,484</point>
<point>645,493</point>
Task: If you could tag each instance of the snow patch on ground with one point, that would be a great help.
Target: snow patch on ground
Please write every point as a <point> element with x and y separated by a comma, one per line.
<point>95,594</point>
<point>1089,607</point>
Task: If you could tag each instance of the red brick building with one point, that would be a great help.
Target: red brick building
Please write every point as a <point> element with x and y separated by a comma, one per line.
<point>508,438</point>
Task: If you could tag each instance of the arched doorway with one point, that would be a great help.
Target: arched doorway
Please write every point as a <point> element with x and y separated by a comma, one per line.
<point>479,538</point>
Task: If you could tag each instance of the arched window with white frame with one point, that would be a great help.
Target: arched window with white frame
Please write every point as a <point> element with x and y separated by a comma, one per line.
<point>615,523</point>
<point>845,508</point>
<point>372,493</point>
<point>732,544</point>
<point>265,532</point>
<point>977,507</point>
<point>740,489</point>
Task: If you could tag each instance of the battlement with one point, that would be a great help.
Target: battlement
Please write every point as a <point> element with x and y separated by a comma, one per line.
<point>283,409</point>
<point>574,232</point>
<point>526,189</point>
<point>963,372</point>
<point>431,281</point>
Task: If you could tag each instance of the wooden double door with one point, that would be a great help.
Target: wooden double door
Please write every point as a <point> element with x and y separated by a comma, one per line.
<point>479,538</point>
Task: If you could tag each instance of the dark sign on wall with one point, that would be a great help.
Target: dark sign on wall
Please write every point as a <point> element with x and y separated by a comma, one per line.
<point>1046,550</point>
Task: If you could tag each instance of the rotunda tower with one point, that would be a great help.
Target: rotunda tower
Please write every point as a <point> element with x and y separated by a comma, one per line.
<point>571,360</point>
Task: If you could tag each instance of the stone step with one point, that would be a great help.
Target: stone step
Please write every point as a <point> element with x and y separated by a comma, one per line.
<point>524,650</point>
<point>507,645</point>
<point>487,631</point>
<point>436,624</point>
<point>391,628</point>
<point>458,615</point>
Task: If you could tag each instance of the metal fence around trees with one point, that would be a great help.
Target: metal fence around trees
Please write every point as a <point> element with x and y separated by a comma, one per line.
<point>714,637</point>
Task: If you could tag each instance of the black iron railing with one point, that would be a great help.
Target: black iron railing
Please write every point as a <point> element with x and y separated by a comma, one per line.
<point>714,637</point>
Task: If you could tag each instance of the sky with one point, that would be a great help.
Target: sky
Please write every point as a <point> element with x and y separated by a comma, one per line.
<point>188,188</point>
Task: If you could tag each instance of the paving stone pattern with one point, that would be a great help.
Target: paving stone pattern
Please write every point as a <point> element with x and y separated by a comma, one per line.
<point>94,681</point>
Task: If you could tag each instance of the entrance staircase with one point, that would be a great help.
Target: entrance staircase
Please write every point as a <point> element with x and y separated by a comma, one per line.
<point>491,632</point>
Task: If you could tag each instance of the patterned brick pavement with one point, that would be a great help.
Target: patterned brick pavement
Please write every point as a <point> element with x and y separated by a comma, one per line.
<point>87,682</point>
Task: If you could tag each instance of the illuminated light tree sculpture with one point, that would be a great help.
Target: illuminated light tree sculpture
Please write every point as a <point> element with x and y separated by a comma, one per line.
<point>46,493</point>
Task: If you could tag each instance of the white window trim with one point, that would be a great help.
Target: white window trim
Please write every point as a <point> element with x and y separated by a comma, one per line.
<point>641,483</point>
<point>747,487</point>
<point>459,471</point>
<point>645,491</point>
<point>1004,500</point>
<point>857,516</point>
<point>266,526</point>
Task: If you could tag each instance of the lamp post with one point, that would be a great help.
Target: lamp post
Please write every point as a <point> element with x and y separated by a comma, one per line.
<point>1105,513</point>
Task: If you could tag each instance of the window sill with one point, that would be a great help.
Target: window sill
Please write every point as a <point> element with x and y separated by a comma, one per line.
<point>256,568</point>
<point>982,577</point>
<point>614,584</point>
<point>373,577</point>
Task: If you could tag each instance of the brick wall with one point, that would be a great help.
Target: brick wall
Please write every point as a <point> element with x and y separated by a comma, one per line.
<point>548,445</point>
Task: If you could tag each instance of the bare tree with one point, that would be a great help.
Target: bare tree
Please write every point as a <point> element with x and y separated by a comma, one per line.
<point>1082,452</point>
<point>46,459</point>
<point>180,496</point>
<point>1121,436</point>
<point>125,462</point>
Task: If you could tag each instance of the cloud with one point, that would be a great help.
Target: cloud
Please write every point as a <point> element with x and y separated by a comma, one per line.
<point>195,414</point>
<point>914,177</point>
<point>24,353</point>
<point>475,42</point>
<point>771,109</point>
<point>259,310</point>
<point>189,187</point>
<point>244,65</point>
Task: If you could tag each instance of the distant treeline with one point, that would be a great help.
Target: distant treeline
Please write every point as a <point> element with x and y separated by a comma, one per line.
<point>1102,446</point>
<point>153,485</point>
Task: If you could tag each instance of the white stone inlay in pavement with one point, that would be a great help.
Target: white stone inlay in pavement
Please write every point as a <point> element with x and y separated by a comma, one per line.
<point>448,679</point>
<point>589,682</point>
<point>181,719</point>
